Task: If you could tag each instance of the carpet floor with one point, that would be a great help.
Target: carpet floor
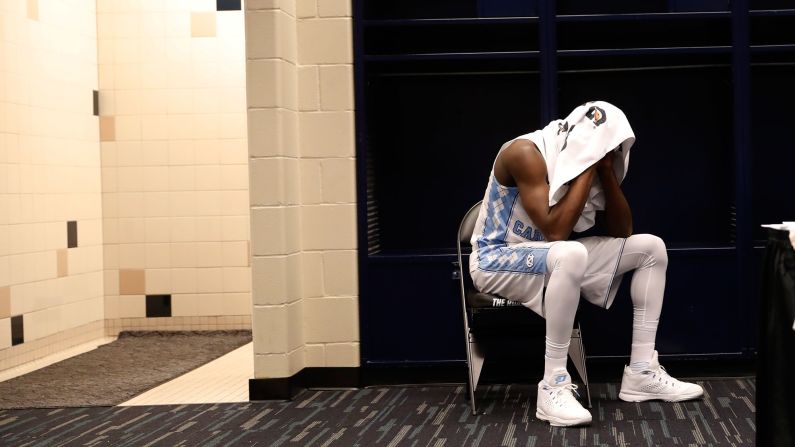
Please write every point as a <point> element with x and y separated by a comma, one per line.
<point>117,371</point>
<point>397,416</point>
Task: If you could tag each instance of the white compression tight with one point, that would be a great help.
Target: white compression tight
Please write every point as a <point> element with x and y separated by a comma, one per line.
<point>566,264</point>
<point>645,254</point>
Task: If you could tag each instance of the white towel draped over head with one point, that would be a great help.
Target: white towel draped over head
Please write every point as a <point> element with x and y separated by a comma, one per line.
<point>573,144</point>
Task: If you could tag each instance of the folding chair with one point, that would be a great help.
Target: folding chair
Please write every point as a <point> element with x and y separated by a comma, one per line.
<point>480,309</point>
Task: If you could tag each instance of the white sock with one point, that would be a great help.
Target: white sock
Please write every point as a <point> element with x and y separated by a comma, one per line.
<point>555,360</point>
<point>644,332</point>
<point>641,357</point>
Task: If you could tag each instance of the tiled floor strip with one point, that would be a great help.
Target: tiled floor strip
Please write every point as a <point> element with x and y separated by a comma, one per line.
<point>222,380</point>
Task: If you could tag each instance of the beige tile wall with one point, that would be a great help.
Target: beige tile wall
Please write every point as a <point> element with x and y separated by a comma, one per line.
<point>172,203</point>
<point>49,174</point>
<point>174,159</point>
<point>303,204</point>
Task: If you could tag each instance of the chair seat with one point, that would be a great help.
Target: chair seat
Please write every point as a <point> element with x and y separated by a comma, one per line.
<point>478,300</point>
<point>491,313</point>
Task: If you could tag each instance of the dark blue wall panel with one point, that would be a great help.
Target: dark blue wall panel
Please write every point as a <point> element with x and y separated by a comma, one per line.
<point>699,315</point>
<point>436,98</point>
<point>434,151</point>
<point>773,152</point>
<point>679,183</point>
<point>415,313</point>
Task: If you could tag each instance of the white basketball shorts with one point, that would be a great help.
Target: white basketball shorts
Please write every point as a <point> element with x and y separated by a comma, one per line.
<point>519,271</point>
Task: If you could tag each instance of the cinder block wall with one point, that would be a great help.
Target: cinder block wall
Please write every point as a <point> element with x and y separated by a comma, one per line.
<point>174,165</point>
<point>50,198</point>
<point>303,211</point>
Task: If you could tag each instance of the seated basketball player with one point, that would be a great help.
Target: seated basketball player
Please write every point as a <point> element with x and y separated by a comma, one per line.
<point>522,243</point>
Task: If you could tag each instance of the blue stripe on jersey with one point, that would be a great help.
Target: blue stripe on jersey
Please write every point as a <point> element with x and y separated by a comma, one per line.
<point>500,204</point>
<point>513,259</point>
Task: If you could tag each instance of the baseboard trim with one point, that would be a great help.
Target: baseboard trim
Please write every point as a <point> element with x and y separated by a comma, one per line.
<point>331,377</point>
<point>285,388</point>
<point>279,388</point>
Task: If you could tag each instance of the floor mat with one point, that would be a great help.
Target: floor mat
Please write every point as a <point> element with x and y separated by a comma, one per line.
<point>398,416</point>
<point>115,372</point>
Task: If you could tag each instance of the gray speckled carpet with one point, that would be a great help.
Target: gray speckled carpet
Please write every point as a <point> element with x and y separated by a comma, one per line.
<point>398,416</point>
<point>117,371</point>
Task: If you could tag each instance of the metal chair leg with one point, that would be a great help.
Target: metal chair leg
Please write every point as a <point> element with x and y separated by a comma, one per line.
<point>577,354</point>
<point>475,360</point>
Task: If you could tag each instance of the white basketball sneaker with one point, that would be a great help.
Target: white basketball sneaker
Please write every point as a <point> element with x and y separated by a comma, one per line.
<point>557,404</point>
<point>655,383</point>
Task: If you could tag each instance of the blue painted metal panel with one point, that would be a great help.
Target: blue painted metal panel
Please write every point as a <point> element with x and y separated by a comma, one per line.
<point>679,184</point>
<point>507,8</point>
<point>434,157</point>
<point>413,312</point>
<point>741,108</point>
<point>693,99</point>
<point>772,154</point>
<point>700,315</point>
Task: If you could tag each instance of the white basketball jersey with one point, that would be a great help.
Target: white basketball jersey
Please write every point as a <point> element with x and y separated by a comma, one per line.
<point>502,220</point>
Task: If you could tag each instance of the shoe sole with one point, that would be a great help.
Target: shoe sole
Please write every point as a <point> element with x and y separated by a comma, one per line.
<point>629,396</point>
<point>558,422</point>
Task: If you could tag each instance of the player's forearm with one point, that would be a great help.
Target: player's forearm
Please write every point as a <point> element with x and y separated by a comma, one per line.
<point>564,214</point>
<point>618,216</point>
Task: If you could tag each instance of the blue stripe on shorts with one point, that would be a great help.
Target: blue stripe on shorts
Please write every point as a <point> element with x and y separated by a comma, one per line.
<point>513,259</point>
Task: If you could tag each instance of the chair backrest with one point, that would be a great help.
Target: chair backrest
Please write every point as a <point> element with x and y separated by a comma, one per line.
<point>468,224</point>
<point>465,230</point>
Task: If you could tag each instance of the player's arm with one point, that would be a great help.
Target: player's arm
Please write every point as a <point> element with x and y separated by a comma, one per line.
<point>617,215</point>
<point>527,168</point>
